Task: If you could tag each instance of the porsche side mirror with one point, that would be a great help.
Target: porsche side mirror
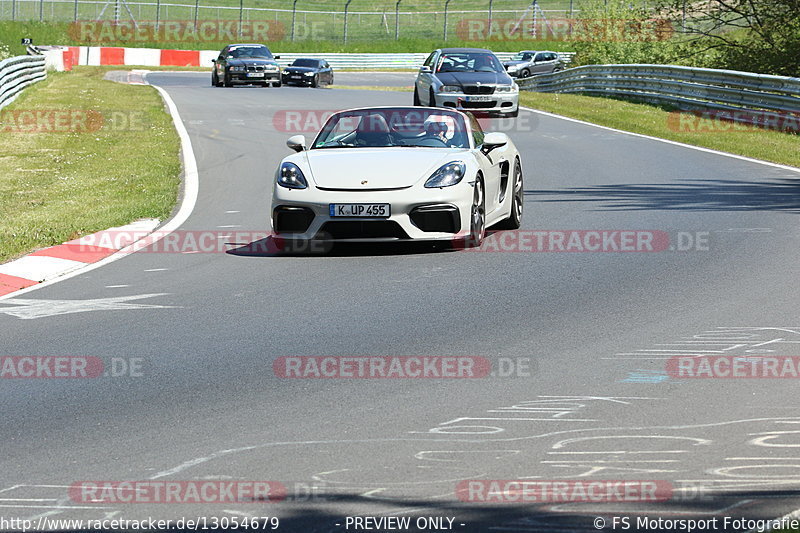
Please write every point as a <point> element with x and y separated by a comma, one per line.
<point>296,143</point>
<point>494,140</point>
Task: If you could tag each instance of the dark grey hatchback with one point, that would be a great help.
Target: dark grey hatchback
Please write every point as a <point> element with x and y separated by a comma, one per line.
<point>246,63</point>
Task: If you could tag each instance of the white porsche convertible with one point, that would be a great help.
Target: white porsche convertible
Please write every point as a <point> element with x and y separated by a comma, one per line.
<point>398,173</point>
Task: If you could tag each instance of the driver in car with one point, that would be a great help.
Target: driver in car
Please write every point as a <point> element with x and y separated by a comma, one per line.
<point>436,128</point>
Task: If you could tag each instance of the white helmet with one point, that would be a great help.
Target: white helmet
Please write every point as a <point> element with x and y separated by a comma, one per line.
<point>440,123</point>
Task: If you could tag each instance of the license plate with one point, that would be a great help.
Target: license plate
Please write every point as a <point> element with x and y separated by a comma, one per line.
<point>360,210</point>
<point>255,74</point>
<point>296,77</point>
<point>479,98</point>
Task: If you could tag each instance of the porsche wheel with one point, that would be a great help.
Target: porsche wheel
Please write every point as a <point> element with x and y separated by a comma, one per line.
<point>477,219</point>
<point>514,220</point>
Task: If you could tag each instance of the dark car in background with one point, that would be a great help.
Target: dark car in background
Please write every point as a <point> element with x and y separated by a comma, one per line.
<point>245,64</point>
<point>533,62</point>
<point>308,71</point>
<point>468,79</point>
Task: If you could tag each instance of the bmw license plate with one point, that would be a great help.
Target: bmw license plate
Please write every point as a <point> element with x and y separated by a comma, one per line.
<point>360,210</point>
<point>255,74</point>
<point>479,98</point>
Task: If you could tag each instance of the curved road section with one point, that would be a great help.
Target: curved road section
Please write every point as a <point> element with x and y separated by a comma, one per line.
<point>626,359</point>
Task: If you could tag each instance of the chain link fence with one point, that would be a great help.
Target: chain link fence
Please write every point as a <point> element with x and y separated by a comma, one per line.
<point>298,20</point>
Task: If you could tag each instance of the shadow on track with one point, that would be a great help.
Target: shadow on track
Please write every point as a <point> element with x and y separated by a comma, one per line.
<point>684,195</point>
<point>317,517</point>
<point>272,247</point>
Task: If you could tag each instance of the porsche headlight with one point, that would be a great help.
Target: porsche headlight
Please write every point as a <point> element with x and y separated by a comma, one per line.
<point>447,175</point>
<point>450,89</point>
<point>291,177</point>
<point>286,72</point>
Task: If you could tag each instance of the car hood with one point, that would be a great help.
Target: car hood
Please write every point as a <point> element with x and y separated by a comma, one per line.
<point>301,69</point>
<point>251,62</point>
<point>380,168</point>
<point>470,78</point>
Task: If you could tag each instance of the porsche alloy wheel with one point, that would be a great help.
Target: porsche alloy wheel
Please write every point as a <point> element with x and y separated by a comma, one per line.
<point>477,224</point>
<point>514,219</point>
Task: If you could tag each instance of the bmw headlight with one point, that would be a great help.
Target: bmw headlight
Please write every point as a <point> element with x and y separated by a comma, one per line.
<point>450,89</point>
<point>447,175</point>
<point>506,88</point>
<point>513,68</point>
<point>291,177</point>
<point>272,68</point>
<point>308,74</point>
<point>237,69</point>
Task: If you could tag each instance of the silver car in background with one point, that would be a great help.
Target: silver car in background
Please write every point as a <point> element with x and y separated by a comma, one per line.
<point>467,79</point>
<point>533,62</point>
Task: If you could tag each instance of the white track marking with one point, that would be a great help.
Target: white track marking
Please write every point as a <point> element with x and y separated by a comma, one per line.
<point>38,267</point>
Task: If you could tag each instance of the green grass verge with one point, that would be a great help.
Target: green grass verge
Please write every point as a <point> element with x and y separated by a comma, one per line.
<point>656,121</point>
<point>118,166</point>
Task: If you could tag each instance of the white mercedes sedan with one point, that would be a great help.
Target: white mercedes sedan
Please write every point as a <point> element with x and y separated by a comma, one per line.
<point>398,173</point>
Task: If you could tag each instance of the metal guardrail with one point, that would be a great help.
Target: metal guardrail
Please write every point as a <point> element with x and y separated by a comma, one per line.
<point>685,87</point>
<point>17,73</point>
<point>384,61</point>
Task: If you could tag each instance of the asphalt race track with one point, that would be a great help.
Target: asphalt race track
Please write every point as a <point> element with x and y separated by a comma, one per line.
<point>586,337</point>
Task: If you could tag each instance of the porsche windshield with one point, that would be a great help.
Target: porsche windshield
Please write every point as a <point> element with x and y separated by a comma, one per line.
<point>394,127</point>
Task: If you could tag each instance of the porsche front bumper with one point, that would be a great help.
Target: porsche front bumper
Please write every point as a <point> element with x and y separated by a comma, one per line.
<point>426,214</point>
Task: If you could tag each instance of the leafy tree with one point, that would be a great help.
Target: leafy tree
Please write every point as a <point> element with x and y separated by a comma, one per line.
<point>617,31</point>
<point>750,35</point>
